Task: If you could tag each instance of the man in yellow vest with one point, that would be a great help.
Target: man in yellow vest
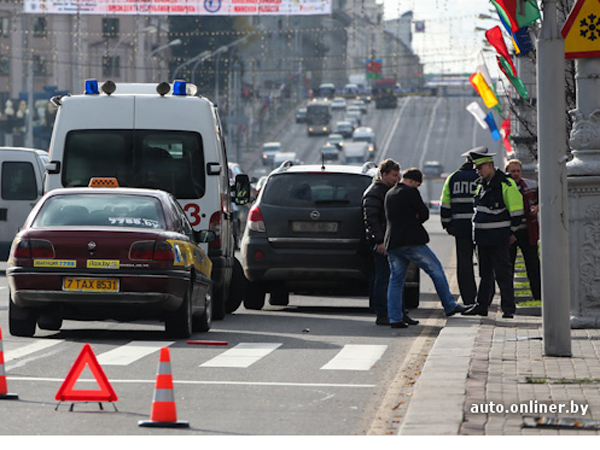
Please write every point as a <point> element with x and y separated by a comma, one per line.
<point>498,214</point>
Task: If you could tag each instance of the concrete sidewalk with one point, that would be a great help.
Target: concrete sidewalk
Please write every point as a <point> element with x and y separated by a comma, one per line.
<point>489,376</point>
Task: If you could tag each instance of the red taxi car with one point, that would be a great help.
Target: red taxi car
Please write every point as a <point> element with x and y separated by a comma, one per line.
<point>109,253</point>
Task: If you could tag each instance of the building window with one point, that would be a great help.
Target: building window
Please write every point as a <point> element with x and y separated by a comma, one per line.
<point>110,27</point>
<point>40,27</point>
<point>111,66</point>
<point>39,65</point>
<point>4,26</point>
<point>4,65</point>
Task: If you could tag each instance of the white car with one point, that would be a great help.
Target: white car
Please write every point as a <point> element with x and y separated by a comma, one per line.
<point>338,103</point>
<point>269,150</point>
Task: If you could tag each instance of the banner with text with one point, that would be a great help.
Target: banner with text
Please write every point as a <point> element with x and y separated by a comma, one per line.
<point>180,7</point>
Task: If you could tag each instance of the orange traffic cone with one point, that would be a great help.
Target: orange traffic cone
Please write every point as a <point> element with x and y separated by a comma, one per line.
<point>4,395</point>
<point>163,412</point>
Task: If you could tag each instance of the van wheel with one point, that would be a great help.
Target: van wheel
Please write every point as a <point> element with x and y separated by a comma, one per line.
<point>21,322</point>
<point>255,296</point>
<point>279,297</point>
<point>219,297</point>
<point>237,288</point>
<point>179,323</point>
<point>204,322</point>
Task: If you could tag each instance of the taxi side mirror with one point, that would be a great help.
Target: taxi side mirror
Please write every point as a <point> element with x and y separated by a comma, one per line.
<point>205,236</point>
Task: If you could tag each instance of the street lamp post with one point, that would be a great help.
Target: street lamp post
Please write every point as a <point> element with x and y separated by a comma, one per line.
<point>159,49</point>
<point>200,57</point>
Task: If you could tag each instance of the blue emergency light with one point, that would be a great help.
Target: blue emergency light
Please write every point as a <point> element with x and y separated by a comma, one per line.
<point>91,87</point>
<point>179,88</point>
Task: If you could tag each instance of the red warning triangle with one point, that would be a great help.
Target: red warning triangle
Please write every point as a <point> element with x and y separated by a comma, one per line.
<point>104,394</point>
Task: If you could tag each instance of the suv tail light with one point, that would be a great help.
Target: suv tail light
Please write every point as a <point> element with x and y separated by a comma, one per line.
<point>255,220</point>
<point>151,250</point>
<point>34,248</point>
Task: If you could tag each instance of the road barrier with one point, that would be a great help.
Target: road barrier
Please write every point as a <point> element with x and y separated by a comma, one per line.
<point>164,413</point>
<point>4,395</point>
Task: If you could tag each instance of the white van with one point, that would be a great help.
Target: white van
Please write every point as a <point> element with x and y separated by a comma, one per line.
<point>365,134</point>
<point>356,153</point>
<point>21,178</point>
<point>155,136</point>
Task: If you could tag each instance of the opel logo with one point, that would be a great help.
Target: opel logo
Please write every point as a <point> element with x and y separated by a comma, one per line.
<point>91,246</point>
<point>315,215</point>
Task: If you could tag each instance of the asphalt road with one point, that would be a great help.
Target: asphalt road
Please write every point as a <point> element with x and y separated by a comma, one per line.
<point>319,366</point>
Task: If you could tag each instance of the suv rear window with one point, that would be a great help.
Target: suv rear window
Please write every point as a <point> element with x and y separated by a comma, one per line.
<point>315,189</point>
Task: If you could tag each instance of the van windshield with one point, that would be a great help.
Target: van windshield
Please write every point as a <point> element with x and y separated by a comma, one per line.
<point>172,161</point>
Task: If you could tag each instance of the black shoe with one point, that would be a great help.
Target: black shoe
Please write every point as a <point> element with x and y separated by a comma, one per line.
<point>382,320</point>
<point>457,309</point>
<point>409,321</point>
<point>508,316</point>
<point>398,325</point>
<point>476,310</point>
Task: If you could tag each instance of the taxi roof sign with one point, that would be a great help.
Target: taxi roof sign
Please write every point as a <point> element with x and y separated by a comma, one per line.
<point>581,31</point>
<point>103,182</point>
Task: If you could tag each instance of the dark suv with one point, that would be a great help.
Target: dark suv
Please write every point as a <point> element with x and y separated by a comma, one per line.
<point>305,234</point>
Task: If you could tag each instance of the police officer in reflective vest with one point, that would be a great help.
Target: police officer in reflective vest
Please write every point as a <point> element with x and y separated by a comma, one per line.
<point>456,214</point>
<point>498,214</point>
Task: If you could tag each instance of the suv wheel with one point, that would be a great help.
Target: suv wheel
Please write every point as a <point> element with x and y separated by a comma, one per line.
<point>279,297</point>
<point>255,296</point>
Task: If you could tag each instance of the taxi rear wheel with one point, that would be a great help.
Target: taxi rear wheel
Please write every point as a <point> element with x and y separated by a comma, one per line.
<point>20,321</point>
<point>204,322</point>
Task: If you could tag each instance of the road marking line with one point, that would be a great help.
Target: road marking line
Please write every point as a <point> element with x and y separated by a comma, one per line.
<point>20,352</point>
<point>199,382</point>
<point>242,355</point>
<point>356,357</point>
<point>126,354</point>
<point>429,131</point>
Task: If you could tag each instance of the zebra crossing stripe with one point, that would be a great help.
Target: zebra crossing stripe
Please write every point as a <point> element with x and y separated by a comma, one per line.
<point>356,357</point>
<point>131,352</point>
<point>27,350</point>
<point>242,355</point>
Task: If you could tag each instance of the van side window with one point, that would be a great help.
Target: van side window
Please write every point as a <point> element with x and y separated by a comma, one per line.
<point>18,181</point>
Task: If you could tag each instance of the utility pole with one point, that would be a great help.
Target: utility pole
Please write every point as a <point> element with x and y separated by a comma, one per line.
<point>551,109</point>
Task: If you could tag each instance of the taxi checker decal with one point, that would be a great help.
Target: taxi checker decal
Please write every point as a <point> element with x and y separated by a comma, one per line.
<point>103,264</point>
<point>54,263</point>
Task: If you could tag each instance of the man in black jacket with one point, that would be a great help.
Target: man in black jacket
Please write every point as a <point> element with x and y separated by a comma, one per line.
<point>405,241</point>
<point>388,174</point>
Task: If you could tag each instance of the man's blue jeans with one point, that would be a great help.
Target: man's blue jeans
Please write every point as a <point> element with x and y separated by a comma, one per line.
<point>379,281</point>
<point>399,259</point>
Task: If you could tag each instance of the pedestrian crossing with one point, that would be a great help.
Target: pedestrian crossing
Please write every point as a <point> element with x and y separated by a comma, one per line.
<point>243,355</point>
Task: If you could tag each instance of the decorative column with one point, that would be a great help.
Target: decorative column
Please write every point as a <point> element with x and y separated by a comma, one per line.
<point>583,175</point>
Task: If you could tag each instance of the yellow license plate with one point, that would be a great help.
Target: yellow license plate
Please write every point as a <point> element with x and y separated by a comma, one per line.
<point>90,285</point>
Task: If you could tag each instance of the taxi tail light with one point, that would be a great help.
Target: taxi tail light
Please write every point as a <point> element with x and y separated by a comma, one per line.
<point>255,220</point>
<point>34,248</point>
<point>150,250</point>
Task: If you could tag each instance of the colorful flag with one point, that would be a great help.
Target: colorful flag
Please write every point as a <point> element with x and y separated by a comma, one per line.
<point>517,13</point>
<point>505,133</point>
<point>478,113</point>
<point>522,41</point>
<point>494,37</point>
<point>489,119</point>
<point>483,89</point>
<point>482,69</point>
<point>512,77</point>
